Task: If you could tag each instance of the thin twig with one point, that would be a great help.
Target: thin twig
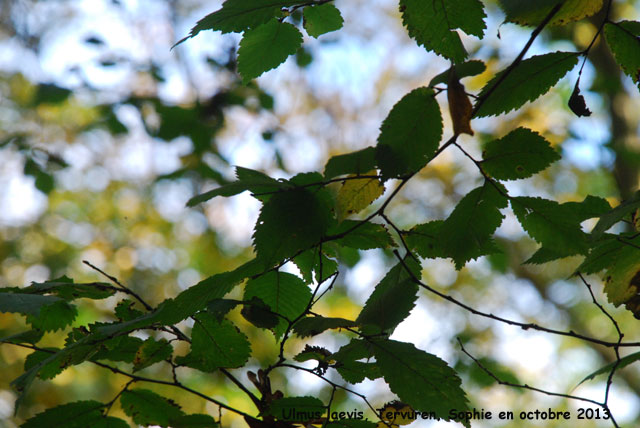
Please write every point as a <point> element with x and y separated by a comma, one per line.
<point>524,326</point>
<point>122,287</point>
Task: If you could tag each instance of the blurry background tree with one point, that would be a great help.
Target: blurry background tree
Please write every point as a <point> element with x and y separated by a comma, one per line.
<point>106,132</point>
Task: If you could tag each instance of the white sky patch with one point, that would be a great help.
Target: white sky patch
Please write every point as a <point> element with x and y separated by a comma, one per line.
<point>20,202</point>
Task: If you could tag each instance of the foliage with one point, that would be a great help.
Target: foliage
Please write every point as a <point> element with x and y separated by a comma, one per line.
<point>311,227</point>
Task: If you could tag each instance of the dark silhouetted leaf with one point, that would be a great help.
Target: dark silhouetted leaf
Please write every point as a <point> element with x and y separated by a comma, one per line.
<point>615,215</point>
<point>289,222</point>
<point>50,94</point>
<point>287,408</point>
<point>530,79</point>
<point>197,297</point>
<point>356,163</point>
<point>259,313</point>
<point>422,380</point>
<point>80,414</point>
<point>248,179</point>
<point>221,307</point>
<point>120,348</point>
<point>55,316</point>
<point>150,352</point>
<point>30,336</point>
<point>433,25</point>
<point>311,326</point>
<point>410,134</point>
<point>577,104</point>
<point>623,39</point>
<point>467,233</point>
<point>64,287</point>
<point>284,293</point>
<point>423,239</point>
<point>236,16</point>
<point>310,265</point>
<point>365,237</point>
<point>148,408</point>
<point>624,361</point>
<point>393,298</point>
<point>553,225</point>
<point>215,344</point>
<point>519,154</point>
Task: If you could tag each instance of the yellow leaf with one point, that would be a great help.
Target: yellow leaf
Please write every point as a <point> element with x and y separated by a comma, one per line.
<point>398,413</point>
<point>459,105</point>
<point>357,194</point>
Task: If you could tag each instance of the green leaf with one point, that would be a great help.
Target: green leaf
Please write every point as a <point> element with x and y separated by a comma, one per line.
<point>519,154</point>
<point>419,379</point>
<point>248,179</point>
<point>80,414</point>
<point>197,297</point>
<point>311,326</point>
<point>623,39</point>
<point>146,407</point>
<point>357,371</point>
<point>239,15</point>
<point>65,288</point>
<point>259,314</point>
<point>289,222</point>
<point>551,224</point>
<point>266,47</point>
<point>194,421</point>
<point>288,409</point>
<point>25,304</point>
<point>120,348</point>
<point>393,298</point>
<point>150,352</point>
<point>219,308</point>
<point>284,293</point>
<point>621,277</point>
<point>465,69</point>
<point>348,366</point>
<point>51,369</point>
<point>433,25</point>
<point>322,19</point>
<point>53,317</point>
<point>530,79</point>
<point>29,336</point>
<point>365,237</point>
<point>357,163</point>
<point>124,310</point>
<point>356,195</point>
<point>467,233</point>
<point>544,255</point>
<point>606,251</point>
<point>423,239</point>
<point>313,353</point>
<point>410,134</point>
<point>526,12</point>
<point>110,422</point>
<point>215,345</point>
<point>48,93</point>
<point>310,265</point>
<point>624,362</point>
<point>615,215</point>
